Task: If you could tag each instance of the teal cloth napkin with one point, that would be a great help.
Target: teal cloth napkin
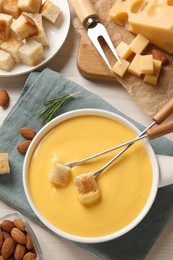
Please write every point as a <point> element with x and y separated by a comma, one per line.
<point>48,84</point>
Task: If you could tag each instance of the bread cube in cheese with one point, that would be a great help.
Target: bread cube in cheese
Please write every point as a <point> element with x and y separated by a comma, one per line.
<point>120,69</point>
<point>123,50</point>
<point>146,64</point>
<point>4,163</point>
<point>152,78</point>
<point>31,53</point>
<point>59,174</point>
<point>139,44</point>
<point>32,6</point>
<point>12,45</point>
<point>5,23</point>
<point>11,7</point>
<point>24,27</point>
<point>50,11</point>
<point>6,61</point>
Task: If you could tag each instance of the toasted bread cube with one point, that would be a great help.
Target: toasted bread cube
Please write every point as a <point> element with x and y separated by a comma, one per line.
<point>134,66</point>
<point>12,45</point>
<point>6,61</point>
<point>146,64</point>
<point>11,7</point>
<point>120,69</point>
<point>1,6</point>
<point>139,44</point>
<point>24,27</point>
<point>123,50</point>
<point>5,23</point>
<point>4,163</point>
<point>41,36</point>
<point>50,11</point>
<point>59,174</point>
<point>86,187</point>
<point>153,77</point>
<point>31,6</point>
<point>31,53</point>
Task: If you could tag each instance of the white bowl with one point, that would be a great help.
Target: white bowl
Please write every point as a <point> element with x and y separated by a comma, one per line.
<point>103,113</point>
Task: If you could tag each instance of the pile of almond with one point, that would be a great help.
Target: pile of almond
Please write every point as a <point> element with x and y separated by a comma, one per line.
<point>15,242</point>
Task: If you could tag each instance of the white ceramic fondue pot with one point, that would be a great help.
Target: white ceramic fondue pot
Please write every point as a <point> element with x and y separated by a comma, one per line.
<point>161,169</point>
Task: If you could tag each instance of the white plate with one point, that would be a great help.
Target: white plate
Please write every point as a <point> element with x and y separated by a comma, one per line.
<point>56,34</point>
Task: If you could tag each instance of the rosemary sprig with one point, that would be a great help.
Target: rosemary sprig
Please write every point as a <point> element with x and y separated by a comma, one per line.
<point>52,106</point>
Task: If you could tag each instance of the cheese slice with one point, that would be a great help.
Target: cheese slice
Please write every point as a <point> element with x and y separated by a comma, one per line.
<point>152,19</point>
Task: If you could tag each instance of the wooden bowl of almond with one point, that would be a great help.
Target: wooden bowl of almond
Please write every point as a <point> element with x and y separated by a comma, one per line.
<point>17,239</point>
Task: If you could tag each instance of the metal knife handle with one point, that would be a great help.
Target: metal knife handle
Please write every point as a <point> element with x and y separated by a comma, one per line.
<point>160,130</point>
<point>164,112</point>
<point>84,9</point>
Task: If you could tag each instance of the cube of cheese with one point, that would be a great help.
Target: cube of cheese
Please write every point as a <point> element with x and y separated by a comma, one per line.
<point>41,36</point>
<point>134,67</point>
<point>12,45</point>
<point>123,50</point>
<point>4,163</point>
<point>139,44</point>
<point>6,61</point>
<point>24,27</point>
<point>5,23</point>
<point>59,174</point>
<point>11,7</point>
<point>50,11</point>
<point>153,77</point>
<point>120,69</point>
<point>32,6</point>
<point>31,53</point>
<point>146,64</point>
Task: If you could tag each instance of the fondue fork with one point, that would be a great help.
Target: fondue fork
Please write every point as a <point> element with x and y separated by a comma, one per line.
<point>158,118</point>
<point>88,16</point>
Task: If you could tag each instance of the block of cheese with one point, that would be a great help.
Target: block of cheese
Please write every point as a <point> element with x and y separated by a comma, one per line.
<point>146,64</point>
<point>139,44</point>
<point>120,69</point>
<point>134,67</point>
<point>4,163</point>
<point>153,19</point>
<point>153,77</point>
<point>123,50</point>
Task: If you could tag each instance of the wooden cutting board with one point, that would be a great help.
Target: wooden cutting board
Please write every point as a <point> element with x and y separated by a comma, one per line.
<point>91,66</point>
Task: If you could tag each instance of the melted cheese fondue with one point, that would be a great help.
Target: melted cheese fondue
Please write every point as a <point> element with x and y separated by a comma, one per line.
<point>125,186</point>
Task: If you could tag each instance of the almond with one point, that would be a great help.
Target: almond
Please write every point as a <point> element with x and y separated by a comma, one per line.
<point>18,235</point>
<point>27,132</point>
<point>23,146</point>
<point>29,256</point>
<point>29,243</point>
<point>19,252</point>
<point>8,247</point>
<point>4,98</point>
<point>19,224</point>
<point>1,238</point>
<point>1,257</point>
<point>159,55</point>
<point>7,225</point>
<point>6,235</point>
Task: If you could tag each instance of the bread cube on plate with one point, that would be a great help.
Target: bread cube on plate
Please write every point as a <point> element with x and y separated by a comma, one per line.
<point>6,60</point>
<point>32,6</point>
<point>24,27</point>
<point>50,11</point>
<point>12,45</point>
<point>1,6</point>
<point>4,163</point>
<point>5,23</point>
<point>86,187</point>
<point>31,53</point>
<point>11,7</point>
<point>41,36</point>
<point>59,174</point>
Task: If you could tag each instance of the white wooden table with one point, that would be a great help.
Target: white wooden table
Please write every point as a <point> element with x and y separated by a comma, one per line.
<point>54,247</point>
